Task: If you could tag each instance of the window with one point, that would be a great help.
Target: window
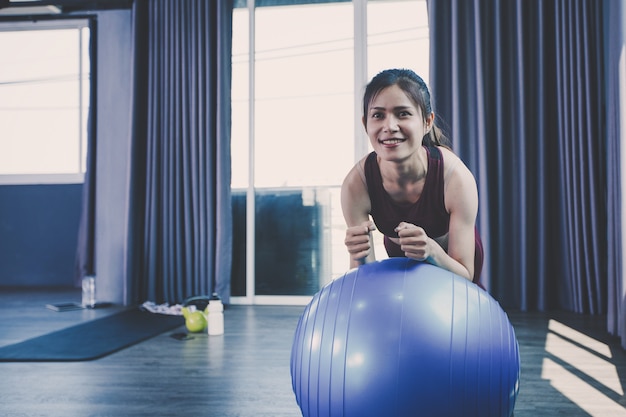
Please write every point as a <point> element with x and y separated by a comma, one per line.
<point>300,90</point>
<point>44,101</point>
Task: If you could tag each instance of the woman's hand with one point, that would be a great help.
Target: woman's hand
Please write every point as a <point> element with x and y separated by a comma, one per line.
<point>417,245</point>
<point>414,242</point>
<point>358,241</point>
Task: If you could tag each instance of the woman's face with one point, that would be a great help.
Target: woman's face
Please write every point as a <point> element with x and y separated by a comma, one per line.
<point>395,125</point>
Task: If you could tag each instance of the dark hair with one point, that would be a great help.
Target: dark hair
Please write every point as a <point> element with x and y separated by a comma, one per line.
<point>415,88</point>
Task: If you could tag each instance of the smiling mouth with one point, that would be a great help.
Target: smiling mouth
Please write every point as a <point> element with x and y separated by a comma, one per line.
<point>392,141</point>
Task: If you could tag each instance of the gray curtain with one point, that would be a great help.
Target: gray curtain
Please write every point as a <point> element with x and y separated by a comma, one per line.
<point>614,50</point>
<point>520,85</point>
<point>180,223</point>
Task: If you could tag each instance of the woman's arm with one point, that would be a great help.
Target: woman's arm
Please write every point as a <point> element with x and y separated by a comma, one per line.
<point>461,200</point>
<point>355,204</point>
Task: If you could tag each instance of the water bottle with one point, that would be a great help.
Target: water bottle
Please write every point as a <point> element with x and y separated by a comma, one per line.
<point>215,316</point>
<point>89,291</point>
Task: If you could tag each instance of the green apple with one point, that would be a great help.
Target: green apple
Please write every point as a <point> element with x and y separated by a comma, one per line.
<point>195,321</point>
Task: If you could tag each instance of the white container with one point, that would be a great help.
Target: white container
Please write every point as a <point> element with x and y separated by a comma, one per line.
<point>215,316</point>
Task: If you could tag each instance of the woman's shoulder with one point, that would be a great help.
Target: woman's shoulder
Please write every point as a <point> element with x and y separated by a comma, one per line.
<point>451,161</point>
<point>448,155</point>
<point>363,165</point>
<point>456,173</point>
<point>357,173</point>
<point>354,191</point>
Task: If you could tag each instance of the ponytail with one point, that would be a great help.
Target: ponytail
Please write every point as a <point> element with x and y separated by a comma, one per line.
<point>436,137</point>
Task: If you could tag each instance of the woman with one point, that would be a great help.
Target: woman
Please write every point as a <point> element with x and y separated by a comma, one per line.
<point>419,194</point>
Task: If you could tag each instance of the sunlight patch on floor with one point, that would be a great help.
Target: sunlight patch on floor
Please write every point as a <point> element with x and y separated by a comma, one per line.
<point>595,378</point>
<point>581,338</point>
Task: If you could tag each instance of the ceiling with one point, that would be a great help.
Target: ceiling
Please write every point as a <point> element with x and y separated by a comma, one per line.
<point>31,7</point>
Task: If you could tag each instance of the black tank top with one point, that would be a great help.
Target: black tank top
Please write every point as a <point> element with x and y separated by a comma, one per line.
<point>429,212</point>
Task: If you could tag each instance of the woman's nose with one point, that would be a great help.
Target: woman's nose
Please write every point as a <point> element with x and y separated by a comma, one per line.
<point>391,124</point>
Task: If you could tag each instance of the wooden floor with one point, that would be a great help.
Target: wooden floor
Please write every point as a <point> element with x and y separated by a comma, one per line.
<point>570,367</point>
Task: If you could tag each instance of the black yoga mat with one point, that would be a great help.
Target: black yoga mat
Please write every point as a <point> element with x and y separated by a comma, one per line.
<point>93,339</point>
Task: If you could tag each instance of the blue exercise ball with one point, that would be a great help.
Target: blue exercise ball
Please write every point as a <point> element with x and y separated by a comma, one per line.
<point>400,338</point>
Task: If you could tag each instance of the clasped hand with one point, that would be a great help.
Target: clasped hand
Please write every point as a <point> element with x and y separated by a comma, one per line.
<point>358,240</point>
<point>412,239</point>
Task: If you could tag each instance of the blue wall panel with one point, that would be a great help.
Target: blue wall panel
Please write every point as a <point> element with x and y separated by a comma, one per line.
<point>38,234</point>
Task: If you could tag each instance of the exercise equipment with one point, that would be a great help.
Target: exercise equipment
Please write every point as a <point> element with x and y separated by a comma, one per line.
<point>404,338</point>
